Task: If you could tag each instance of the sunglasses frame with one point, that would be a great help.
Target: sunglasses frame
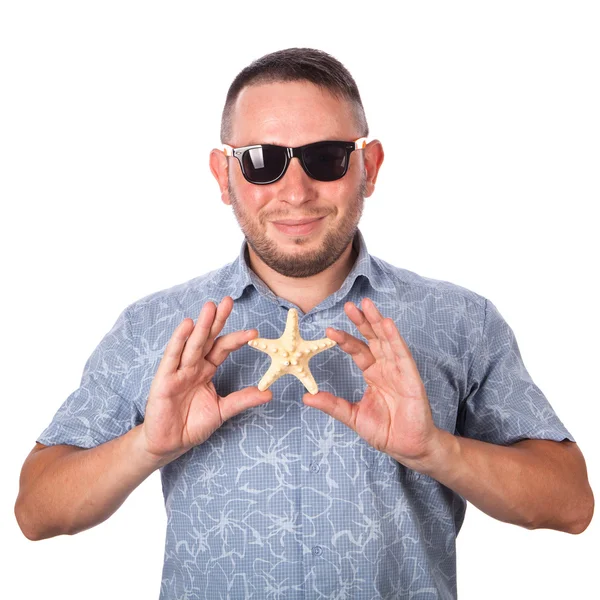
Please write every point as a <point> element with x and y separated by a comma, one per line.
<point>298,152</point>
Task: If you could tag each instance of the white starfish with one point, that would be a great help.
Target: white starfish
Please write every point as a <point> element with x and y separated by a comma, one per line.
<point>290,354</point>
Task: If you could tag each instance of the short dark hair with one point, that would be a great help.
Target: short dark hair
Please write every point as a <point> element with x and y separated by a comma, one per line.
<point>296,64</point>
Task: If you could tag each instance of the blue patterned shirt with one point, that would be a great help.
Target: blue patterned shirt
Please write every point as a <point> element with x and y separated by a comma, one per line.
<point>284,501</point>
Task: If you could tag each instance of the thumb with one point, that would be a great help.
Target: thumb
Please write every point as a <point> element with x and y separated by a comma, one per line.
<point>236,402</point>
<point>336,407</point>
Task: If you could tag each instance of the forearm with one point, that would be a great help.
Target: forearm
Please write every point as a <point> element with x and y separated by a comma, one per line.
<point>510,483</point>
<point>82,488</point>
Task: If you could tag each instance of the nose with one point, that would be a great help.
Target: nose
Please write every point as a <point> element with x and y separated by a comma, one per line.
<point>296,186</point>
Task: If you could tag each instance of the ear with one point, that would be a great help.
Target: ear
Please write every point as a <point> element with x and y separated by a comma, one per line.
<point>373,157</point>
<point>219,167</point>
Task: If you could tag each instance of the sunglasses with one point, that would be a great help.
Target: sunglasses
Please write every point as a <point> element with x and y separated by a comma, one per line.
<point>266,163</point>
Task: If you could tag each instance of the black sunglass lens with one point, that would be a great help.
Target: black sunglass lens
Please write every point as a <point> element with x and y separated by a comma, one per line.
<point>326,161</point>
<point>263,164</point>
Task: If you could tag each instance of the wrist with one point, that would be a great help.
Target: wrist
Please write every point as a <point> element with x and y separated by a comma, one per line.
<point>444,457</point>
<point>151,460</point>
<point>439,460</point>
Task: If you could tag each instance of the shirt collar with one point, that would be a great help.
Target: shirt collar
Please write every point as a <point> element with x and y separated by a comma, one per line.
<point>240,275</point>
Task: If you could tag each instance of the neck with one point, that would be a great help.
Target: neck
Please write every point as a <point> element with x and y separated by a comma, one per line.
<point>305,292</point>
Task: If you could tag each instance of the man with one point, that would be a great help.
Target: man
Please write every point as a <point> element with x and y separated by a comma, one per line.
<point>266,496</point>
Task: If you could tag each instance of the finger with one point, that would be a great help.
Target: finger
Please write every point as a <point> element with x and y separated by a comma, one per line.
<point>392,342</point>
<point>359,351</point>
<point>236,402</point>
<point>223,312</point>
<point>172,354</point>
<point>399,346</point>
<point>201,342</point>
<point>226,344</point>
<point>366,328</point>
<point>358,318</point>
<point>221,316</point>
<point>336,407</point>
<point>195,343</point>
<point>377,321</point>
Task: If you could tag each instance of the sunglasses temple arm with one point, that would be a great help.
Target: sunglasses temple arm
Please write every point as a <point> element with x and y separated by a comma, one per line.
<point>360,143</point>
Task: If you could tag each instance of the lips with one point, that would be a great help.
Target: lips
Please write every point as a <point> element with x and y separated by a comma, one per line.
<point>297,222</point>
<point>298,226</point>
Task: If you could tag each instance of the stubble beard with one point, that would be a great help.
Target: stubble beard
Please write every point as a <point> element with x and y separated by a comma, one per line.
<point>307,263</point>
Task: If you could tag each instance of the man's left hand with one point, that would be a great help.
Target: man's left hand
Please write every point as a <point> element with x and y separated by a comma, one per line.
<point>394,415</point>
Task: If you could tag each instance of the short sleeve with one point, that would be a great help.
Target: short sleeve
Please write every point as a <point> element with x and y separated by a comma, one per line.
<point>101,408</point>
<point>504,405</point>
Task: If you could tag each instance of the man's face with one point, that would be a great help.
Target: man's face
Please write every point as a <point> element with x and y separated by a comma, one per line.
<point>293,114</point>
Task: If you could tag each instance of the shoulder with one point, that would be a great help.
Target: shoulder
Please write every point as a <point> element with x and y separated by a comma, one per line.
<point>182,299</point>
<point>415,286</point>
<point>437,318</point>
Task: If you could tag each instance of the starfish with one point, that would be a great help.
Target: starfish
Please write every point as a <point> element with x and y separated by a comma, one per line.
<point>290,354</point>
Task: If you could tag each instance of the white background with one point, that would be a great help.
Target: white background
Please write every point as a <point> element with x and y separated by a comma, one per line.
<point>488,115</point>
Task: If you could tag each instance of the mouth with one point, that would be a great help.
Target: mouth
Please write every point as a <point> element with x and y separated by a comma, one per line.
<point>297,227</point>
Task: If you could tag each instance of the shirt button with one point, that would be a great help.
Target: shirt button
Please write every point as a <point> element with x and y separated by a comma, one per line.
<point>315,468</point>
<point>317,550</point>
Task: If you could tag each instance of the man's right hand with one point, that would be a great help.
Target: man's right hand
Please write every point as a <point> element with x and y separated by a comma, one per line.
<point>183,407</point>
<point>65,489</point>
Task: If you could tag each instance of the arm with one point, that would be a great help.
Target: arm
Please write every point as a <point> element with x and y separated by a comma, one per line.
<point>533,483</point>
<point>65,489</point>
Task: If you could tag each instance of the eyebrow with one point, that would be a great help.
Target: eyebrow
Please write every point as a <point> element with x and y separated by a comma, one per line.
<point>273,143</point>
<point>260,144</point>
<point>269,143</point>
